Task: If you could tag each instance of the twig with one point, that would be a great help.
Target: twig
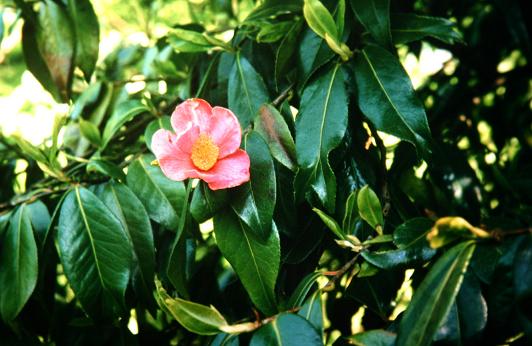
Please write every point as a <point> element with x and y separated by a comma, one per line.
<point>339,273</point>
<point>282,96</point>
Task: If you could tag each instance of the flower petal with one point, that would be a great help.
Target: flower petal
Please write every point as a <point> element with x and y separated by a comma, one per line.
<point>189,113</point>
<point>224,130</point>
<point>230,171</point>
<point>174,162</point>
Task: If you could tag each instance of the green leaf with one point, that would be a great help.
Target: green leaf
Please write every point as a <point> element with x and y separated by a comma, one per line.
<point>330,223</point>
<point>95,252</point>
<point>320,127</point>
<point>40,221</point>
<point>374,15</point>
<point>271,125</point>
<point>189,41</point>
<point>91,132</point>
<point>105,167</point>
<point>369,208</point>
<point>319,19</point>
<point>128,209</point>
<point>439,287</point>
<point>312,311</point>
<point>35,61</point>
<point>1,25</point>
<point>303,288</point>
<point>197,318</point>
<point>255,261</point>
<point>351,213</point>
<point>408,27</point>
<point>286,330</point>
<point>340,17</point>
<point>387,98</point>
<point>450,228</point>
<point>87,32</point>
<point>254,201</point>
<point>18,264</point>
<point>159,123</point>
<point>4,219</point>
<point>376,337</point>
<point>246,91</point>
<point>56,43</point>
<point>206,202</point>
<point>313,53</point>
<point>161,196</point>
<point>284,54</point>
<point>123,112</point>
<point>410,238</point>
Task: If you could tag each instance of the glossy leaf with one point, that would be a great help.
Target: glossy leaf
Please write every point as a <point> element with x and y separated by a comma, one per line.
<point>376,337</point>
<point>256,262</point>
<point>105,167</point>
<point>312,311</point>
<point>387,98</point>
<point>123,112</point>
<point>246,91</point>
<point>56,43</point>
<point>40,221</point>
<point>95,252</point>
<point>313,53</point>
<point>285,51</point>
<point>271,125</point>
<point>87,30</point>
<point>197,318</point>
<point>410,238</point>
<point>408,27</point>
<point>450,228</point>
<point>161,196</point>
<point>189,41</point>
<point>320,127</point>
<point>369,208</point>
<point>374,15</point>
<point>18,264</point>
<point>286,330</point>
<point>90,132</point>
<point>330,223</point>
<point>351,213</point>
<point>254,201</point>
<point>206,203</point>
<point>128,209</point>
<point>440,287</point>
<point>319,18</point>
<point>300,293</point>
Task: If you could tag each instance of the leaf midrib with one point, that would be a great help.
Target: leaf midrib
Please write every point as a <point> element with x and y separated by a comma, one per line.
<point>89,232</point>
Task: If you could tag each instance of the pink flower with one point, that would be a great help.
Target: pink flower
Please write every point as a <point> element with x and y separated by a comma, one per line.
<point>205,146</point>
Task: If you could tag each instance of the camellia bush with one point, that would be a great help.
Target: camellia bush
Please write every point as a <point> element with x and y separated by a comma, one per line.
<point>268,175</point>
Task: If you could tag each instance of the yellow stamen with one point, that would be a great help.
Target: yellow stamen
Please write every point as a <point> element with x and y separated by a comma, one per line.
<point>204,153</point>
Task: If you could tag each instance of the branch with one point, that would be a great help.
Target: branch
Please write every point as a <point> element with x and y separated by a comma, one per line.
<point>282,96</point>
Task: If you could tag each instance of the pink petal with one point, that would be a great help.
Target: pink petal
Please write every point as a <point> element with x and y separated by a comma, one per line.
<point>224,130</point>
<point>189,113</point>
<point>187,139</point>
<point>174,162</point>
<point>230,171</point>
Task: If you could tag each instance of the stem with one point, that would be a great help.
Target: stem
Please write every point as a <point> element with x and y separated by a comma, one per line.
<point>282,96</point>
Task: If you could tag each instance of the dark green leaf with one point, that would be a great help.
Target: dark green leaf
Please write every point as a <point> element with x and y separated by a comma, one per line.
<point>302,289</point>
<point>313,53</point>
<point>254,201</point>
<point>376,337</point>
<point>374,15</point>
<point>159,123</point>
<point>369,208</point>
<point>161,196</point>
<point>472,308</point>
<point>87,32</point>
<point>255,262</point>
<point>56,43</point>
<point>40,221</point>
<point>206,202</point>
<point>105,167</point>
<point>273,128</point>
<point>408,27</point>
<point>123,112</point>
<point>95,252</point>
<point>522,276</point>
<point>286,330</point>
<point>127,208</point>
<point>411,239</point>
<point>351,213</point>
<point>330,223</point>
<point>246,91</point>
<point>440,287</point>
<point>18,264</point>
<point>387,98</point>
<point>285,51</point>
<point>320,127</point>
<point>312,311</point>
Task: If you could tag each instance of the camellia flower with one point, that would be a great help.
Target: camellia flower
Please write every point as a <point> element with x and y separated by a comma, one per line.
<point>205,146</point>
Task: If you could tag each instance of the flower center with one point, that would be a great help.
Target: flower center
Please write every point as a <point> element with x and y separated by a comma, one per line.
<point>204,153</point>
